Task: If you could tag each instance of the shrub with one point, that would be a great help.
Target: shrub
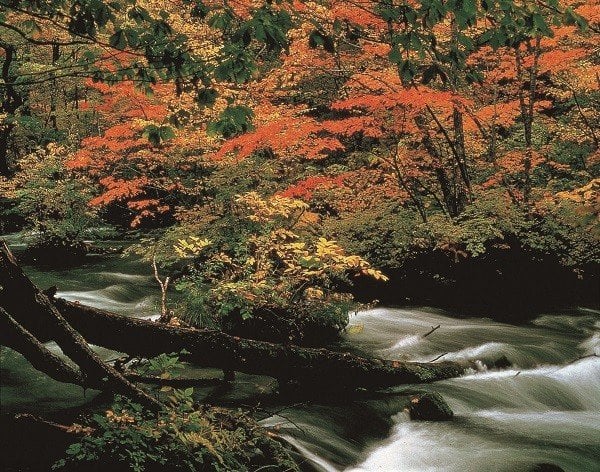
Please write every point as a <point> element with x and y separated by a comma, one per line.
<point>179,438</point>
<point>264,262</point>
<point>54,205</point>
<point>384,235</point>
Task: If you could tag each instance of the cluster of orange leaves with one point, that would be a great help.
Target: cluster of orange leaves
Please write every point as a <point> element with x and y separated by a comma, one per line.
<point>371,102</point>
<point>121,158</point>
<point>300,136</point>
<point>305,189</point>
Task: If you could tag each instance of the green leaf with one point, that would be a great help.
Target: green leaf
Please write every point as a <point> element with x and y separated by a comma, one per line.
<point>118,40</point>
<point>200,10</point>
<point>269,27</point>
<point>319,39</point>
<point>133,38</point>
<point>166,133</point>
<point>74,449</point>
<point>237,65</point>
<point>572,18</point>
<point>102,14</point>
<point>429,74</point>
<point>407,70</point>
<point>220,20</point>
<point>152,134</point>
<point>487,5</point>
<point>233,120</point>
<point>207,96</point>
<point>389,13</point>
<point>395,55</point>
<point>139,14</point>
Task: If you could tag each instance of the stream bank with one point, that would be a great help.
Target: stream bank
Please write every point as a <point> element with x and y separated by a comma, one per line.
<point>510,283</point>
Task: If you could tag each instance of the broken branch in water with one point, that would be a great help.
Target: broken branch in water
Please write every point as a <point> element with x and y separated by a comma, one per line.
<point>431,331</point>
<point>438,357</point>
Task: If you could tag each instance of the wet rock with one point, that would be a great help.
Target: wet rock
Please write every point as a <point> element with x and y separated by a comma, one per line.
<point>429,407</point>
<point>501,363</point>
<point>545,467</point>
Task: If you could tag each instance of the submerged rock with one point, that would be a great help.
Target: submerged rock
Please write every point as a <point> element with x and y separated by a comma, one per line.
<point>545,467</point>
<point>501,363</point>
<point>429,407</point>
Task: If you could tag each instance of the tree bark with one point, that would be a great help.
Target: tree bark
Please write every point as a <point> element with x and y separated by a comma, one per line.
<point>36,314</point>
<point>13,335</point>
<point>319,367</point>
<point>54,90</point>
<point>4,138</point>
<point>11,101</point>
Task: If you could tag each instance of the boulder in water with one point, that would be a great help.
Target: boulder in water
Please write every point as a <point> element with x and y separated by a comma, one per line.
<point>545,467</point>
<point>429,407</point>
<point>501,363</point>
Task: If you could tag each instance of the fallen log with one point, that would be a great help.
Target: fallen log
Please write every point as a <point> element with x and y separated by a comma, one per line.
<point>37,316</point>
<point>13,335</point>
<point>209,348</point>
<point>72,324</point>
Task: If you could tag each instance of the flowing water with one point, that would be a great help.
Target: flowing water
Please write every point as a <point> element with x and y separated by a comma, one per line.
<point>545,408</point>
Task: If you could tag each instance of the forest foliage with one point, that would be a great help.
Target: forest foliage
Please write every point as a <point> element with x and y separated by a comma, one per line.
<point>394,127</point>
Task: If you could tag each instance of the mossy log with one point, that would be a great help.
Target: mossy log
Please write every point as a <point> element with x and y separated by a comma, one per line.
<point>30,317</point>
<point>13,335</point>
<point>308,366</point>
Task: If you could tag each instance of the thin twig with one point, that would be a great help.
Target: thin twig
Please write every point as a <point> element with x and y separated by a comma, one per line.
<point>164,285</point>
<point>173,382</point>
<point>431,331</point>
<point>438,357</point>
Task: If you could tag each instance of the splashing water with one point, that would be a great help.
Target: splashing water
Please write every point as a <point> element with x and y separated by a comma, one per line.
<point>544,409</point>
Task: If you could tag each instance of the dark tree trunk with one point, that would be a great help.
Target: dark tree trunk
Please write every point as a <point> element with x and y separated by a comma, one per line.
<point>31,309</point>
<point>210,348</point>
<point>11,101</point>
<point>13,335</point>
<point>54,92</point>
<point>4,137</point>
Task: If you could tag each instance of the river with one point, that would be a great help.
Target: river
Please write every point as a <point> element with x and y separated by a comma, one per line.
<point>545,408</point>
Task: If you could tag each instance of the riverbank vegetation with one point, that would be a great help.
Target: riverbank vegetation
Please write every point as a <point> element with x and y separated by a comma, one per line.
<point>278,162</point>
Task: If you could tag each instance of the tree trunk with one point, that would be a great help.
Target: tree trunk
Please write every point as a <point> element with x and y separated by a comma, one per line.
<point>210,348</point>
<point>13,335</point>
<point>11,101</point>
<point>54,91</point>
<point>36,314</point>
<point>4,139</point>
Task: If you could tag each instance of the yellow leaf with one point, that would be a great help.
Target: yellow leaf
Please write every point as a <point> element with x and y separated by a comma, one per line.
<point>355,329</point>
